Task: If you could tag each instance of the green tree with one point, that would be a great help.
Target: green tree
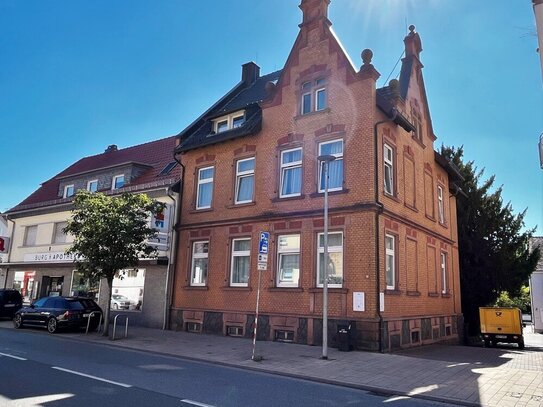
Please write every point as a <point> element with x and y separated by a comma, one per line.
<point>494,249</point>
<point>523,301</point>
<point>110,235</point>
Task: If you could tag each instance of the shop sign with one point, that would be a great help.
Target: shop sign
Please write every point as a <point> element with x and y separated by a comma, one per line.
<point>4,244</point>
<point>50,257</point>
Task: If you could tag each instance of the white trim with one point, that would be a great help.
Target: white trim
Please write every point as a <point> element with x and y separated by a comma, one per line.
<point>202,182</point>
<point>90,182</point>
<point>331,249</point>
<point>388,162</point>
<point>291,251</point>
<point>240,253</point>
<point>317,99</point>
<point>229,119</point>
<point>244,174</point>
<point>290,166</point>
<point>339,157</point>
<point>198,256</point>
<point>66,187</point>
<point>391,253</point>
<point>114,181</point>
<point>440,205</point>
<point>443,258</point>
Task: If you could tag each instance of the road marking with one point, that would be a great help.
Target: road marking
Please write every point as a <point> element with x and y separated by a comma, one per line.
<point>195,403</point>
<point>91,377</point>
<point>12,356</point>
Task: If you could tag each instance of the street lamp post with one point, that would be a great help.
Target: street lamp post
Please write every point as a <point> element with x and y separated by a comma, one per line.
<point>325,160</point>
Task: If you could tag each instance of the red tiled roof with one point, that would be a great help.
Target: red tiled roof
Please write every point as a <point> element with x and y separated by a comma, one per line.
<point>156,154</point>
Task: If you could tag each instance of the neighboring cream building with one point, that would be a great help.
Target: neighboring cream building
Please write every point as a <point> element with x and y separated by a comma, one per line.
<point>38,265</point>
<point>4,249</point>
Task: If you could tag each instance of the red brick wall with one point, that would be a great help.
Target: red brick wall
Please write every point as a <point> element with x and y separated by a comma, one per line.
<point>351,116</point>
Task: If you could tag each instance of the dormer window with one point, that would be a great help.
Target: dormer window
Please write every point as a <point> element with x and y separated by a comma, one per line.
<point>92,186</point>
<point>118,181</point>
<point>313,96</point>
<point>69,190</point>
<point>229,122</point>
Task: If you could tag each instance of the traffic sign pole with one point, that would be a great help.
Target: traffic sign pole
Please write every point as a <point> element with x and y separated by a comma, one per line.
<point>262,266</point>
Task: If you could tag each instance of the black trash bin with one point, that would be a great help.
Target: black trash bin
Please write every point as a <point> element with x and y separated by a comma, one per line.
<point>344,337</point>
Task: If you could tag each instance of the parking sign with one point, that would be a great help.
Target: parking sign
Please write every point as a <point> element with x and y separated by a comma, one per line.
<point>264,241</point>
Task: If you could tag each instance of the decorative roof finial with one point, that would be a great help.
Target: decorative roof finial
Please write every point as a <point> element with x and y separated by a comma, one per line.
<point>411,28</point>
<point>367,55</point>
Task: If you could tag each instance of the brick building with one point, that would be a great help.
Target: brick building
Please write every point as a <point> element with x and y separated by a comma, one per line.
<point>250,165</point>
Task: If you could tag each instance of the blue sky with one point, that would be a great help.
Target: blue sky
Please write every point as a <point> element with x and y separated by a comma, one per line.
<point>77,75</point>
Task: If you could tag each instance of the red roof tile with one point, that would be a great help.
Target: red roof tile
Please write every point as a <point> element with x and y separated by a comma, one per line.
<point>156,154</point>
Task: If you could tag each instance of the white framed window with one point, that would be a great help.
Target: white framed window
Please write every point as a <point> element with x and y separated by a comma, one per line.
<point>200,253</point>
<point>313,96</point>
<point>228,122</point>
<point>69,191</point>
<point>390,262</point>
<point>204,192</point>
<point>240,264</point>
<point>288,261</point>
<point>320,95</point>
<point>388,161</point>
<point>30,235</point>
<point>291,173</point>
<point>335,254</point>
<point>58,234</point>
<point>92,186</point>
<point>118,181</point>
<point>440,205</point>
<point>245,180</point>
<point>444,273</point>
<point>335,168</point>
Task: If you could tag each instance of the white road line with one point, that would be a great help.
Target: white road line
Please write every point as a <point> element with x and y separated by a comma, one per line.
<point>195,403</point>
<point>91,377</point>
<point>12,356</point>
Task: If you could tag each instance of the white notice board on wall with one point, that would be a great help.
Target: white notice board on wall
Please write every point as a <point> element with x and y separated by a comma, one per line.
<point>358,301</point>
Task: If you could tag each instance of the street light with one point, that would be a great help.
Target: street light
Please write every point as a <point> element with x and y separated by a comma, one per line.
<point>325,161</point>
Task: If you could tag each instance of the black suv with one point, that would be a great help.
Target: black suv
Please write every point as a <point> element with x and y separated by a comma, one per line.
<point>10,302</point>
<point>58,312</point>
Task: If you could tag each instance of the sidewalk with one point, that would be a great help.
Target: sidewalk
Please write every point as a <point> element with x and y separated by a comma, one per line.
<point>454,374</point>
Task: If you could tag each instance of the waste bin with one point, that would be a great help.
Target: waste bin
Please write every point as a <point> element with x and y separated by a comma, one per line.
<point>345,337</point>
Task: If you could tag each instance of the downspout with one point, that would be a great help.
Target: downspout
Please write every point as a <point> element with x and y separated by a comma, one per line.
<point>171,264</point>
<point>377,228</point>
<point>173,250</point>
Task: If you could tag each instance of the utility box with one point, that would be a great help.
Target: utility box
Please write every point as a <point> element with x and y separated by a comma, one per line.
<point>501,325</point>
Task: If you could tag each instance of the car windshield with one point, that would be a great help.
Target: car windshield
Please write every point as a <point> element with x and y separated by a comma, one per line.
<point>120,297</point>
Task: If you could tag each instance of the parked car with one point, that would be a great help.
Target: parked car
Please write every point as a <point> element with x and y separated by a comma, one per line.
<point>59,312</point>
<point>119,301</point>
<point>10,302</point>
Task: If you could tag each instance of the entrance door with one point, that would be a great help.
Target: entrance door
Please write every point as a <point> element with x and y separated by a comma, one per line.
<point>45,286</point>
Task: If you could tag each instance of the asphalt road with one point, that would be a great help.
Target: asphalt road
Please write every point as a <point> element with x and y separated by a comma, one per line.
<point>37,368</point>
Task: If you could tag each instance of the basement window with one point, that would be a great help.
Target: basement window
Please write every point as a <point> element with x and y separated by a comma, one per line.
<point>194,327</point>
<point>234,331</point>
<point>284,336</point>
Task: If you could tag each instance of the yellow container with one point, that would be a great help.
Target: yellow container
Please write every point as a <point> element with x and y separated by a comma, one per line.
<point>501,325</point>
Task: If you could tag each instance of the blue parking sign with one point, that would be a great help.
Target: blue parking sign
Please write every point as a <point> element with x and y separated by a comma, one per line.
<point>264,241</point>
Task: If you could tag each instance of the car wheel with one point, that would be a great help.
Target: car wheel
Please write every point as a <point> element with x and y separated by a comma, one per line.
<point>18,321</point>
<point>52,325</point>
<point>521,344</point>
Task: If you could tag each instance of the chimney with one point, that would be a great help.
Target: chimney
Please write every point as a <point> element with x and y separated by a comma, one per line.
<point>111,148</point>
<point>250,72</point>
<point>314,10</point>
